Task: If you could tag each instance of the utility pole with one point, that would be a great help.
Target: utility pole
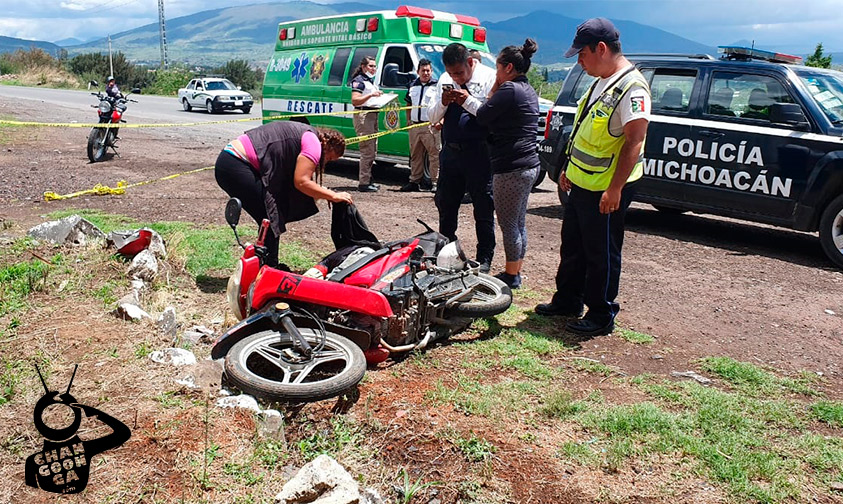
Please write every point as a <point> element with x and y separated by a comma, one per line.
<point>162,33</point>
<point>110,61</point>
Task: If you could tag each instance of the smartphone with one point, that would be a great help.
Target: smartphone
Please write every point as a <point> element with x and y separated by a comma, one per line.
<point>447,87</point>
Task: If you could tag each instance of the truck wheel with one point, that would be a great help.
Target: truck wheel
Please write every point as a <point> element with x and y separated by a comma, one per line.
<point>669,210</point>
<point>539,178</point>
<point>831,231</point>
<point>246,110</point>
<point>209,106</point>
<point>186,105</point>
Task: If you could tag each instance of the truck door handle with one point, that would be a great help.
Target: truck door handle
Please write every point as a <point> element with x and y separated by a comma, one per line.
<point>711,134</point>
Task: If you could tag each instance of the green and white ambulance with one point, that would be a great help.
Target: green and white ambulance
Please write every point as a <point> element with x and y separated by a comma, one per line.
<point>314,59</point>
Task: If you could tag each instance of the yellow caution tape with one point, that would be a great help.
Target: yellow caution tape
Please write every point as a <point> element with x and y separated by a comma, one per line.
<point>120,188</point>
<point>372,136</point>
<point>102,190</point>
<point>174,125</point>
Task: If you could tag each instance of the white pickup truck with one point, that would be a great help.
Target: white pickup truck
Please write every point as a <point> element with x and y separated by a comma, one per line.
<point>214,95</point>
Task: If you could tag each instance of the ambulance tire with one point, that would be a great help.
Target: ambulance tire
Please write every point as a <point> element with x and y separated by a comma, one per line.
<point>425,181</point>
<point>831,230</point>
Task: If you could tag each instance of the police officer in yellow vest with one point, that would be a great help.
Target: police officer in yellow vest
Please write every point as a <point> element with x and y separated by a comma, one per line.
<point>605,159</point>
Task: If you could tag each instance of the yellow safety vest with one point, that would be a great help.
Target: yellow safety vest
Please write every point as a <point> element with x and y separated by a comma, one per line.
<point>593,151</point>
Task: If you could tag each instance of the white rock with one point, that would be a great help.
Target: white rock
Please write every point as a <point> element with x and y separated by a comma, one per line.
<point>692,375</point>
<point>371,496</point>
<point>830,312</point>
<point>131,311</point>
<point>241,401</point>
<point>173,357</point>
<point>167,322</point>
<point>188,381</point>
<point>137,284</point>
<point>72,229</point>
<point>156,245</point>
<point>322,481</point>
<point>144,266</point>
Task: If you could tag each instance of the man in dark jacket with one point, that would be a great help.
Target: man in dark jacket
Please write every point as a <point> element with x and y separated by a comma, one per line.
<point>464,160</point>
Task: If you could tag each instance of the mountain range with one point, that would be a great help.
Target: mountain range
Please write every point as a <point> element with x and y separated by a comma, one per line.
<point>213,37</point>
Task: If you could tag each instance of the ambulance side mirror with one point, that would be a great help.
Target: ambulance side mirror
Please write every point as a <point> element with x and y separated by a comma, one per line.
<point>393,78</point>
<point>790,114</point>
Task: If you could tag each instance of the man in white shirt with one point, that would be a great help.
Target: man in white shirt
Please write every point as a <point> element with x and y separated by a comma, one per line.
<point>605,161</point>
<point>422,139</point>
<point>464,160</point>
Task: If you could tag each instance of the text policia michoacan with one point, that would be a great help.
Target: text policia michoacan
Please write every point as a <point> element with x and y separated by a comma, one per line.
<point>741,154</point>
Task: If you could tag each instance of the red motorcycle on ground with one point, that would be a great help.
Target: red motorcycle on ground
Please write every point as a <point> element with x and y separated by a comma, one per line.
<point>110,110</point>
<point>309,337</point>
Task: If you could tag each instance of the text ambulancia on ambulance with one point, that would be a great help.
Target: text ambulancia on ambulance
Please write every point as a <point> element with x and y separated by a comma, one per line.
<point>752,135</point>
<point>314,60</point>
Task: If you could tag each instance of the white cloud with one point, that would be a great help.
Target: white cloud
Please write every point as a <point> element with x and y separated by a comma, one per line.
<point>72,6</point>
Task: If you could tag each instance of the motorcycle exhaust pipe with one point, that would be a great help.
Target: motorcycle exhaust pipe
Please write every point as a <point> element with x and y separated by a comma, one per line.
<point>412,346</point>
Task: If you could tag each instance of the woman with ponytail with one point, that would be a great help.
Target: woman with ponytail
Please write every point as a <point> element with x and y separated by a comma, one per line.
<point>271,169</point>
<point>511,113</point>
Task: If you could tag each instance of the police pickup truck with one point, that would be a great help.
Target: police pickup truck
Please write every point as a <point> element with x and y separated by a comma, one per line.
<point>752,135</point>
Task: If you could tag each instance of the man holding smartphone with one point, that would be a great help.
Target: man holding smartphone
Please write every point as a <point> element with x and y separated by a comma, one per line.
<point>464,160</point>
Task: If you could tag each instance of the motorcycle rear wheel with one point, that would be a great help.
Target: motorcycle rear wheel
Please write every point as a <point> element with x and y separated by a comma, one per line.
<point>489,298</point>
<point>96,144</point>
<point>254,366</point>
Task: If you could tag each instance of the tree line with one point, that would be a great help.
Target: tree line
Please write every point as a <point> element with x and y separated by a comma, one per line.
<point>95,66</point>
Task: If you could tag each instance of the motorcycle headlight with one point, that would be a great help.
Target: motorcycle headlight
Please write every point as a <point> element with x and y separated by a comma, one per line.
<point>232,292</point>
<point>105,107</point>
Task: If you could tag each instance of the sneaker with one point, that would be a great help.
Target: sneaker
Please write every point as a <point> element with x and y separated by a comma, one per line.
<point>433,188</point>
<point>513,281</point>
<point>368,188</point>
<point>485,266</point>
<point>410,187</point>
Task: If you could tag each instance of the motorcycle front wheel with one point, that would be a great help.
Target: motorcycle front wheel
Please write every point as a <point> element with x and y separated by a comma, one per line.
<point>259,365</point>
<point>489,297</point>
<point>96,144</point>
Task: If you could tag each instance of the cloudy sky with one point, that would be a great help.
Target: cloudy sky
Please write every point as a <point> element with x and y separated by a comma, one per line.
<point>775,24</point>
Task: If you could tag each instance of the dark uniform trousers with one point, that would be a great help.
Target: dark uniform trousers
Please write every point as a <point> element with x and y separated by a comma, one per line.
<point>590,267</point>
<point>465,166</point>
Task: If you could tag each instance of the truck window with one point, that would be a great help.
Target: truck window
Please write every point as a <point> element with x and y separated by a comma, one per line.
<point>191,85</point>
<point>671,89</point>
<point>743,95</point>
<point>359,53</point>
<point>338,66</point>
<point>583,83</point>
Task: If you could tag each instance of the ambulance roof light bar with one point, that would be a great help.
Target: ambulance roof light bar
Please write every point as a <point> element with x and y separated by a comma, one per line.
<point>738,52</point>
<point>410,11</point>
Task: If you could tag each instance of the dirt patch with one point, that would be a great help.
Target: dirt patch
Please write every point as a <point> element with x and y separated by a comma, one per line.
<point>700,286</point>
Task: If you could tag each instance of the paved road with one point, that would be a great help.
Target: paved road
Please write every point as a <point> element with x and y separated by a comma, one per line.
<point>149,109</point>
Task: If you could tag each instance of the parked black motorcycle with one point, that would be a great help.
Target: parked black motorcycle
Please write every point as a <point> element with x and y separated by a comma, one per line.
<point>110,111</point>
